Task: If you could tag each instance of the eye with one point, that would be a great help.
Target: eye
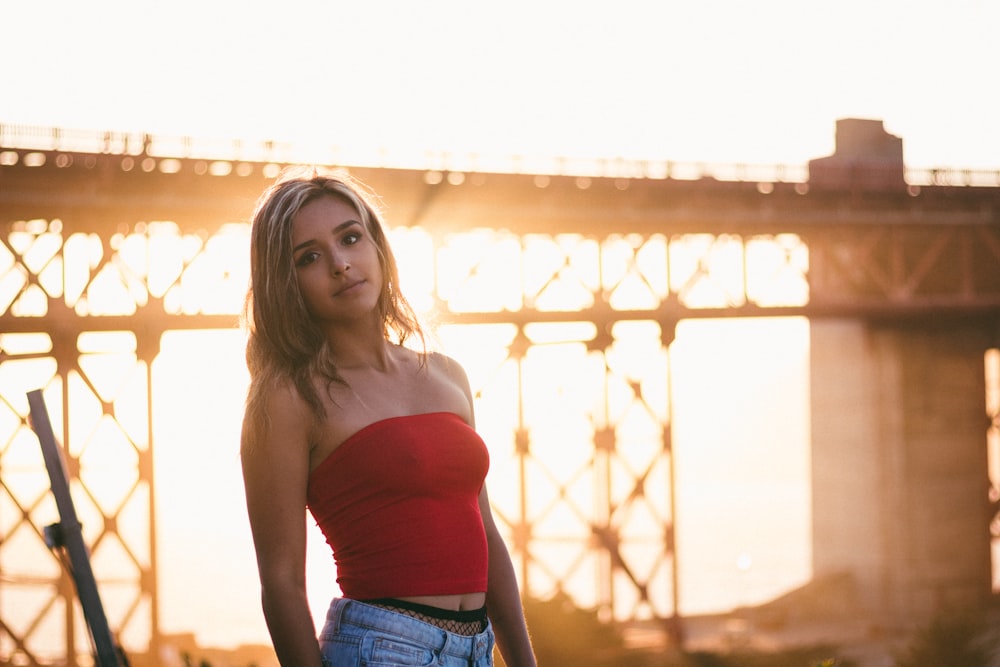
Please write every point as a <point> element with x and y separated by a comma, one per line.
<point>306,258</point>
<point>351,238</point>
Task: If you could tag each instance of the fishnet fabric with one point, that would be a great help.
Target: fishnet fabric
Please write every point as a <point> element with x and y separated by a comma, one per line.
<point>465,628</point>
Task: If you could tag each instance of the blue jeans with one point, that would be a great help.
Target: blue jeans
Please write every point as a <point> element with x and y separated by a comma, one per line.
<point>359,634</point>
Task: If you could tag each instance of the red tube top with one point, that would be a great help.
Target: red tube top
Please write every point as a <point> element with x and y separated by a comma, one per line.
<point>398,502</point>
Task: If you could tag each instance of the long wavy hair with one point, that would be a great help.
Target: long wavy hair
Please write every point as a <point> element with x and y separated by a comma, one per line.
<point>283,341</point>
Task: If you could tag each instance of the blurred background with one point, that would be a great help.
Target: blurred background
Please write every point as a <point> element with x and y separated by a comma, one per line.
<point>724,276</point>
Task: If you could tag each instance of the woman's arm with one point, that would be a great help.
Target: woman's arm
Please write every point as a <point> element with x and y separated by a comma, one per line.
<point>503,599</point>
<point>275,474</point>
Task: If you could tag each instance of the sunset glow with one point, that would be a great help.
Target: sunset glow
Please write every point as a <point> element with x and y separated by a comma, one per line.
<point>640,89</point>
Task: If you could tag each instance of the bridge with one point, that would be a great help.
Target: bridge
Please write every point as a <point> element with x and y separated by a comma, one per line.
<point>110,241</point>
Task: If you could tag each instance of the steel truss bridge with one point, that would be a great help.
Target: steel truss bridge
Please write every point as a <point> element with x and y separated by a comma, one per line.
<point>109,241</point>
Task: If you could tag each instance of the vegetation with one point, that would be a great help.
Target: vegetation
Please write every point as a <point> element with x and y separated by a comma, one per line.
<point>564,634</point>
<point>797,657</point>
<point>957,640</point>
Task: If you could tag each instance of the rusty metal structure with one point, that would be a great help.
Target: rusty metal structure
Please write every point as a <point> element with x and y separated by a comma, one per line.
<point>107,241</point>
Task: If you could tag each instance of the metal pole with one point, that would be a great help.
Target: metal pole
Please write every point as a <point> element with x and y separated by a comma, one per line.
<point>69,536</point>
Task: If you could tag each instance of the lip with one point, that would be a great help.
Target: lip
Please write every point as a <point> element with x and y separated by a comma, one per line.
<point>348,287</point>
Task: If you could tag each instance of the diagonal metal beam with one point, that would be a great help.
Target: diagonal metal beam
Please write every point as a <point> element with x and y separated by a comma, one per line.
<point>67,534</point>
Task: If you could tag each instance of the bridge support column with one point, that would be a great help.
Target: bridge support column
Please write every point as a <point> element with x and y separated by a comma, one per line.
<point>899,472</point>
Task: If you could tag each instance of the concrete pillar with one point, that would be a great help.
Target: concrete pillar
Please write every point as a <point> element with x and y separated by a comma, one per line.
<point>899,464</point>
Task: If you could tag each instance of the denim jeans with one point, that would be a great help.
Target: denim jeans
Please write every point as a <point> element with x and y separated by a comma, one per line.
<point>359,634</point>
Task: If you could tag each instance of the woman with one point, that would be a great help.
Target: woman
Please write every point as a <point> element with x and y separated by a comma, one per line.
<point>375,439</point>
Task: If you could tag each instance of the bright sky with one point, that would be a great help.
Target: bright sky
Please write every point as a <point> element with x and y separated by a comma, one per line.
<point>703,80</point>
<point>706,80</point>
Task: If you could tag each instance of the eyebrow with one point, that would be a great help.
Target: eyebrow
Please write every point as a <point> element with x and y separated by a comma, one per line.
<point>339,228</point>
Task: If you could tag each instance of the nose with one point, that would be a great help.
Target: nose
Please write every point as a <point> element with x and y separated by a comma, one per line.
<point>339,264</point>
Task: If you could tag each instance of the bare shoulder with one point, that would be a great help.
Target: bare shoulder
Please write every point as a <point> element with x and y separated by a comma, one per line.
<point>442,363</point>
<point>284,395</point>
<point>453,390</point>
<point>284,418</point>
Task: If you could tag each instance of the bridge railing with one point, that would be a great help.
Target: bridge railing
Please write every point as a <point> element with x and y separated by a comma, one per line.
<point>14,136</point>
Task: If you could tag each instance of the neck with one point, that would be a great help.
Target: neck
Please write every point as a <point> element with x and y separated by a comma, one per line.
<point>376,354</point>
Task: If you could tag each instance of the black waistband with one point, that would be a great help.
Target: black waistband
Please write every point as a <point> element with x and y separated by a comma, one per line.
<point>465,616</point>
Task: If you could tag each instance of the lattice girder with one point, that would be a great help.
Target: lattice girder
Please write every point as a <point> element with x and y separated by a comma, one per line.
<point>530,286</point>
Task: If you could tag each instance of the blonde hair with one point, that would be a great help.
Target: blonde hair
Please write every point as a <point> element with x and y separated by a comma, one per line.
<point>283,341</point>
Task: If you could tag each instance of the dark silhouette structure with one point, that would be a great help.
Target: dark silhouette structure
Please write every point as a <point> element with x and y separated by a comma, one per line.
<point>128,237</point>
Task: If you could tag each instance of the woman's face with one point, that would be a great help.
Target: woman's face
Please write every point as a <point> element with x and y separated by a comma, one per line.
<point>336,261</point>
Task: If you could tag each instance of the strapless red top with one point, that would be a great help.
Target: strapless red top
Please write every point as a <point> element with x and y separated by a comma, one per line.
<point>398,502</point>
